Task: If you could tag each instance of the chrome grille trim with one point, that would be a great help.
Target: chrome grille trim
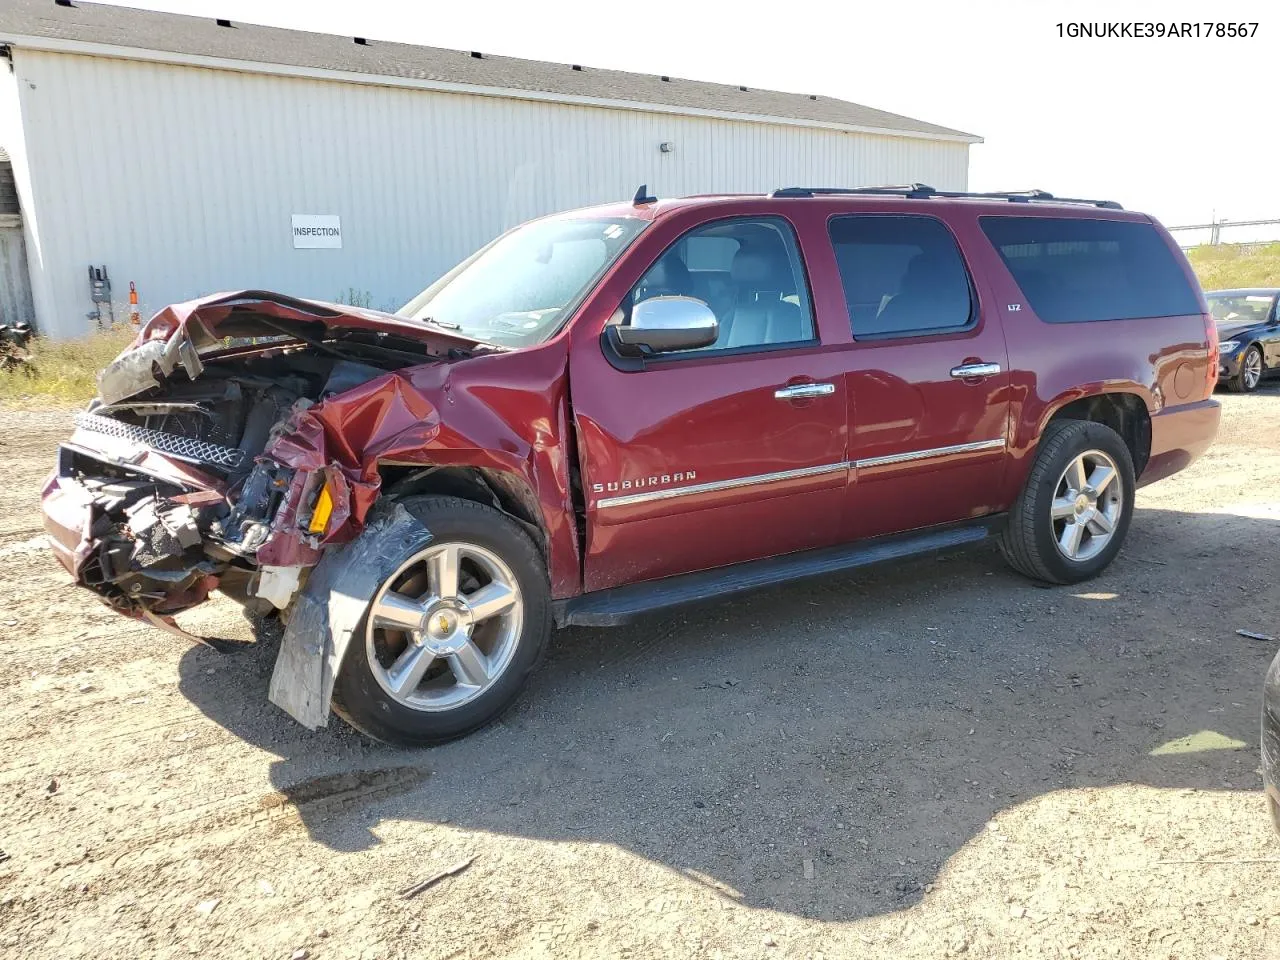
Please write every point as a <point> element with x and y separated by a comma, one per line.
<point>175,445</point>
<point>752,481</point>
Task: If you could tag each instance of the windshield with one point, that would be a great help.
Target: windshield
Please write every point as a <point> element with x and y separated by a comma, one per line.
<point>520,288</point>
<point>1240,308</point>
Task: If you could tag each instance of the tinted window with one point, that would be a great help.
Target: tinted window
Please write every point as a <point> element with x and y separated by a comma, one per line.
<point>901,275</point>
<point>1237,309</point>
<point>747,271</point>
<point>521,287</point>
<point>1074,270</point>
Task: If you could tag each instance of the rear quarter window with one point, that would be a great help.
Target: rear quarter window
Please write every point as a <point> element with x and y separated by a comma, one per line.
<point>1073,270</point>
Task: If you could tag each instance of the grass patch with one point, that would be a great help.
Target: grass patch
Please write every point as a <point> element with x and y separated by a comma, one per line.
<point>1228,265</point>
<point>66,371</point>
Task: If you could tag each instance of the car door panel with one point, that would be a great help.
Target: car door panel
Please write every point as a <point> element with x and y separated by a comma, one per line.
<point>1271,338</point>
<point>715,471</point>
<point>705,459</point>
<point>926,446</point>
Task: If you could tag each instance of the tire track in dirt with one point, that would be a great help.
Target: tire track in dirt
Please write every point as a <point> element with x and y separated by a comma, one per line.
<point>315,798</point>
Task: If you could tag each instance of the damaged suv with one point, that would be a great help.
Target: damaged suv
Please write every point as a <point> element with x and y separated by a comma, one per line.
<point>625,408</point>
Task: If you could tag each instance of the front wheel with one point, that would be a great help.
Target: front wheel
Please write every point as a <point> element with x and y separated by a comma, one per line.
<point>1250,373</point>
<point>1072,516</point>
<point>453,634</point>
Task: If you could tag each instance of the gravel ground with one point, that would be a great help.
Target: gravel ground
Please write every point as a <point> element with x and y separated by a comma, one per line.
<point>933,759</point>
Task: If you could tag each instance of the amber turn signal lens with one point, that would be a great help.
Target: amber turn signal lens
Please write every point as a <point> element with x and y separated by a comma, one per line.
<point>323,510</point>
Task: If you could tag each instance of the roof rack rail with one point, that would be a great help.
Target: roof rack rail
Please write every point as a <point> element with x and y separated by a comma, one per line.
<point>904,190</point>
<point>922,191</point>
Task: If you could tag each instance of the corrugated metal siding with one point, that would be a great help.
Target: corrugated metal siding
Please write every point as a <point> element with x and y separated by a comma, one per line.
<point>184,179</point>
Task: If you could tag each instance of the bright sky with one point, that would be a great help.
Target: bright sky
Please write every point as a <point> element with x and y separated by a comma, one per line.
<point>1179,128</point>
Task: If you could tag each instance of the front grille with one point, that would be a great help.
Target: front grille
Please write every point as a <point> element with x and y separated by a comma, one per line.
<point>176,445</point>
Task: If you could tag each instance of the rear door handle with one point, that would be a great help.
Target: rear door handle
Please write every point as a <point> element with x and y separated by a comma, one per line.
<point>799,391</point>
<point>975,371</point>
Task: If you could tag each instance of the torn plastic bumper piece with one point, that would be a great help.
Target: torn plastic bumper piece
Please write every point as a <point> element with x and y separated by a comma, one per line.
<point>325,616</point>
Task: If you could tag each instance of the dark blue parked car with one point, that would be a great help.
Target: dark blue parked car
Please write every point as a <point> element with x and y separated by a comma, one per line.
<point>1249,335</point>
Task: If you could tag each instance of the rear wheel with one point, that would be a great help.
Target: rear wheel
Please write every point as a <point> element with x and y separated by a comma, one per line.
<point>1072,516</point>
<point>452,635</point>
<point>1249,375</point>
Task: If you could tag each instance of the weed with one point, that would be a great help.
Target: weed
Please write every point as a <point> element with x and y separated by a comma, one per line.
<point>66,371</point>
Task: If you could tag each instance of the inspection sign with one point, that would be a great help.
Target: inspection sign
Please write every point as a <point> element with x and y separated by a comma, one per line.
<point>317,231</point>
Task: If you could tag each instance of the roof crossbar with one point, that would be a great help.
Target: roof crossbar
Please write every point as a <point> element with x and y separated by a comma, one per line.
<point>922,191</point>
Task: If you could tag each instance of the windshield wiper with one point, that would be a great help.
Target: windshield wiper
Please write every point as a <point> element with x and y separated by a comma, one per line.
<point>442,324</point>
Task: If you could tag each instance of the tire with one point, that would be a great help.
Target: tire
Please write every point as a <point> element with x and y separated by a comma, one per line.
<point>1242,382</point>
<point>1031,540</point>
<point>439,706</point>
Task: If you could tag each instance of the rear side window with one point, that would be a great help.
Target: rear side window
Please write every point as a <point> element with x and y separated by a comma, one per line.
<point>1076,271</point>
<point>902,276</point>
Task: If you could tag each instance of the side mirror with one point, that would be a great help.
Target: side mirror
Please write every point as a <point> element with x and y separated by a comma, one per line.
<point>662,324</point>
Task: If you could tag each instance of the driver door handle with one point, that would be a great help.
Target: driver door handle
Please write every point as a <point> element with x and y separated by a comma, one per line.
<point>975,371</point>
<point>799,391</point>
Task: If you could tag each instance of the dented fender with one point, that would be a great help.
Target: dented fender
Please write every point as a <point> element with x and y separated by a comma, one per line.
<point>489,413</point>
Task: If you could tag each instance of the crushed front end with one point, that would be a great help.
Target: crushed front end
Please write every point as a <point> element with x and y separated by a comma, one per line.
<point>198,467</point>
<point>156,502</point>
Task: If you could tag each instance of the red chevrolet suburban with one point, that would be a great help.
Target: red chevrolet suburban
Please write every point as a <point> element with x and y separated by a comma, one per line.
<point>619,409</point>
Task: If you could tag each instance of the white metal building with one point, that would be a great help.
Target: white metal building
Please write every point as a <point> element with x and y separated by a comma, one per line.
<point>191,155</point>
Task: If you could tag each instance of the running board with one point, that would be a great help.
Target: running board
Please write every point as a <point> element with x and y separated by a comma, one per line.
<point>619,605</point>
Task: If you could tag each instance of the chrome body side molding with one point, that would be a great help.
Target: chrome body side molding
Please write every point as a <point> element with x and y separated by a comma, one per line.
<point>929,454</point>
<point>714,486</point>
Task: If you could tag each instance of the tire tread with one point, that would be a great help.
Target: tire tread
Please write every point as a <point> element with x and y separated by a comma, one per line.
<point>424,507</point>
<point>1018,540</point>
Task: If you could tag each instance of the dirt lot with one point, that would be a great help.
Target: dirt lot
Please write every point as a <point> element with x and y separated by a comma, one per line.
<point>929,760</point>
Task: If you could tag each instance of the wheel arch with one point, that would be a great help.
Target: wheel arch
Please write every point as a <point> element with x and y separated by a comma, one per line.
<point>1124,412</point>
<point>504,491</point>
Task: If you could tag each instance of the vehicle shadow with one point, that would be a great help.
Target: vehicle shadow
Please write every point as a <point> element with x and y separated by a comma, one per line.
<point>873,724</point>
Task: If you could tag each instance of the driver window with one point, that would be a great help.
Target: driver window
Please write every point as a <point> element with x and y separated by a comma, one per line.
<point>748,272</point>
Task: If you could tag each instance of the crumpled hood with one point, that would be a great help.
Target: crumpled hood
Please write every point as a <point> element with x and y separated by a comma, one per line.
<point>175,335</point>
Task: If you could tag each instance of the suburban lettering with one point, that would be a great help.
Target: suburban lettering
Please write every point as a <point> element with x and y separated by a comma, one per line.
<point>639,483</point>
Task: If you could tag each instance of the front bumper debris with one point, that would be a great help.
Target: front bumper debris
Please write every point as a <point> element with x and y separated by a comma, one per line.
<point>326,614</point>
<point>135,542</point>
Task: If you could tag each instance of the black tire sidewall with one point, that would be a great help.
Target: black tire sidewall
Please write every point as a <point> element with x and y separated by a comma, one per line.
<point>360,699</point>
<point>1088,436</point>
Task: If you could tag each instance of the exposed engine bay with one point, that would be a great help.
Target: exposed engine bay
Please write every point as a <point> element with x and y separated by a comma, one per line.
<point>191,511</point>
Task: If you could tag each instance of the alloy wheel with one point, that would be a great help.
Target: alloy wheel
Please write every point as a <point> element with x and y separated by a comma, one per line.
<point>442,629</point>
<point>1252,370</point>
<point>1087,504</point>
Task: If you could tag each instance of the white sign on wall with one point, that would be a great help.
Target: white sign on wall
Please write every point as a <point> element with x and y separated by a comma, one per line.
<point>317,231</point>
